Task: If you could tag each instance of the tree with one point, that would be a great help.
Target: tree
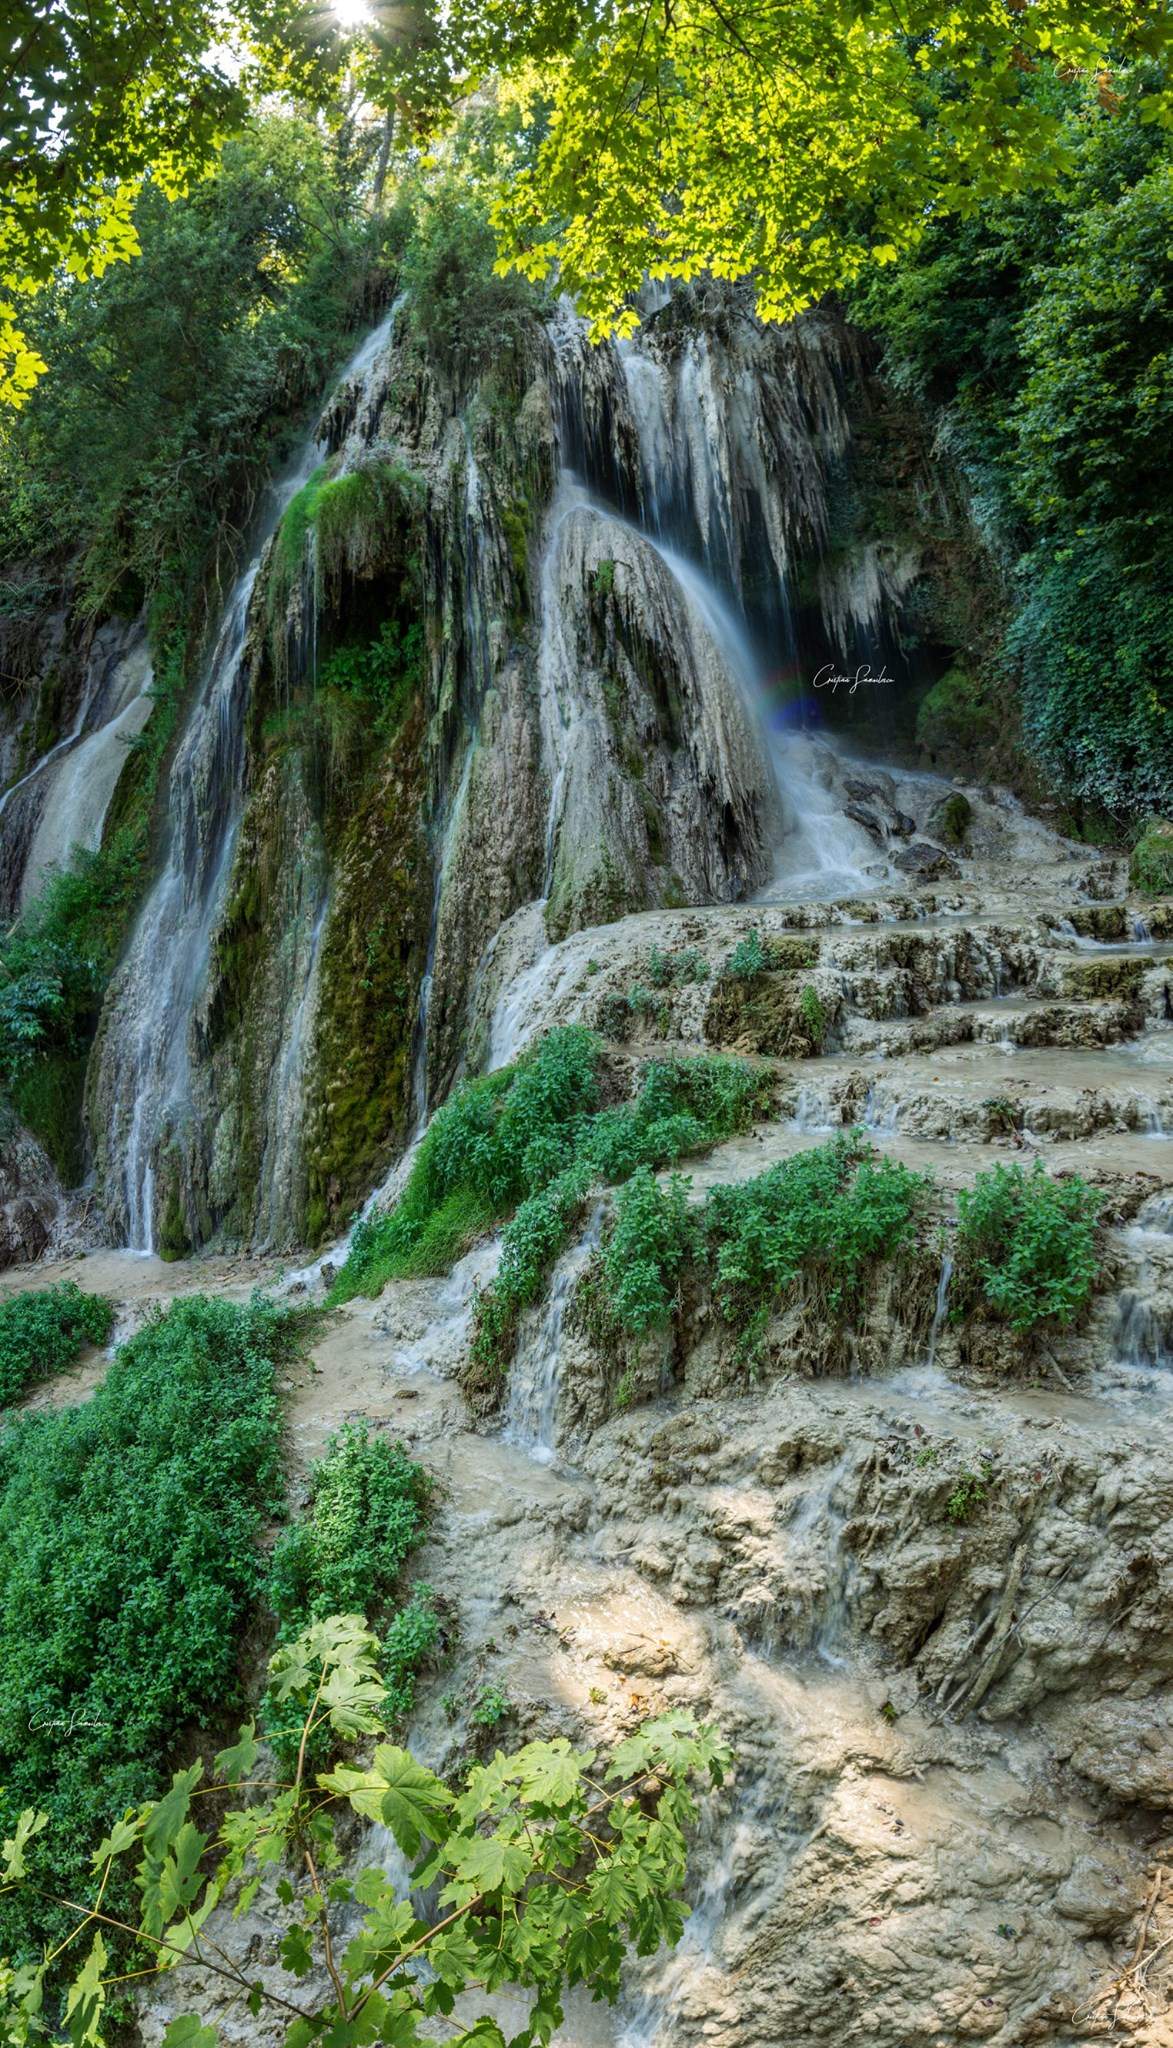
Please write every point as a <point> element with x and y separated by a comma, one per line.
<point>94,94</point>
<point>545,1867</point>
<point>796,142</point>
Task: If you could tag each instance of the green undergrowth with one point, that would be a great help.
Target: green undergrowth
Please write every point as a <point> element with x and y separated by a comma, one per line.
<point>1026,1248</point>
<point>43,1331</point>
<point>367,1512</point>
<point>540,1129</point>
<point>681,1106</point>
<point>826,1217</point>
<point>128,1564</point>
<point>825,1221</point>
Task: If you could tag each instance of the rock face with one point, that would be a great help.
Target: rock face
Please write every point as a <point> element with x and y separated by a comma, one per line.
<point>30,1198</point>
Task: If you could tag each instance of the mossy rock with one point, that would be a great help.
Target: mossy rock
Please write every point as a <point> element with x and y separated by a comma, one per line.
<point>174,1242</point>
<point>771,1015</point>
<point>1102,980</point>
<point>955,717</point>
<point>372,963</point>
<point>1151,868</point>
<point>950,820</point>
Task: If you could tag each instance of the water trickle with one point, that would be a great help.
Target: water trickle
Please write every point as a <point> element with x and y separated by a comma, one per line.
<point>941,1309</point>
<point>881,1110</point>
<point>813,1112</point>
<point>283,1125</point>
<point>531,1414</point>
<point>1141,932</point>
<point>651,2012</point>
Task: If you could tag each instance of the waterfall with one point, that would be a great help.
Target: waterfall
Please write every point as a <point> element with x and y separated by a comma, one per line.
<point>75,805</point>
<point>146,1089</point>
<point>702,490</point>
<point>531,1412</point>
<point>282,1151</point>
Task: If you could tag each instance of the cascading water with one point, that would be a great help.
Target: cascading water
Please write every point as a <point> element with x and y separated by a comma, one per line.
<point>531,1414</point>
<point>145,1090</point>
<point>700,464</point>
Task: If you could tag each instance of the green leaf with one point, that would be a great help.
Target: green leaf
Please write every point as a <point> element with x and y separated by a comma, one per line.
<point>189,2031</point>
<point>233,1764</point>
<point>167,1816</point>
<point>397,1790</point>
<point>12,1862</point>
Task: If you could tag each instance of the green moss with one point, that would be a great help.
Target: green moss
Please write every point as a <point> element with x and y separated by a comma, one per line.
<point>955,718</point>
<point>950,820</point>
<point>1103,980</point>
<point>767,1014</point>
<point>372,962</point>
<point>174,1241</point>
<point>1151,866</point>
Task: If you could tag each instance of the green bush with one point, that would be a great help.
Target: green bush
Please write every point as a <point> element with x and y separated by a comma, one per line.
<point>1038,331</point>
<point>1151,867</point>
<point>646,1250</point>
<point>43,1331</point>
<point>668,969</point>
<point>367,1509</point>
<point>466,317</point>
<point>128,1562</point>
<point>498,1139</point>
<point>1026,1246</point>
<point>533,1128</point>
<point>829,1214</point>
<point>750,957</point>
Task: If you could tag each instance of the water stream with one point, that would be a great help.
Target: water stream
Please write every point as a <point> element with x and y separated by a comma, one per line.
<point>531,1413</point>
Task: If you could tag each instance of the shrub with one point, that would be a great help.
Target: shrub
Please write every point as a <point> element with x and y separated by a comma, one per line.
<point>969,1494</point>
<point>831,1212</point>
<point>497,1140</point>
<point>367,1509</point>
<point>648,1245</point>
<point>666,969</point>
<point>1151,867</point>
<point>748,958</point>
<point>43,1331</point>
<point>532,1241</point>
<point>128,1561</point>
<point>1026,1246</point>
<point>814,1016</point>
<point>465,315</point>
<point>535,1130</point>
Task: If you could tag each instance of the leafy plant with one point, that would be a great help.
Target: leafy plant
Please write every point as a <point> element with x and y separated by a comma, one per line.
<point>43,1331</point>
<point>646,1249</point>
<point>668,969</point>
<point>1026,1246</point>
<point>128,1561</point>
<point>545,1866</point>
<point>831,1213</point>
<point>750,957</point>
<point>970,1493</point>
<point>490,1707</point>
<point>367,1510</point>
<point>814,1015</point>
